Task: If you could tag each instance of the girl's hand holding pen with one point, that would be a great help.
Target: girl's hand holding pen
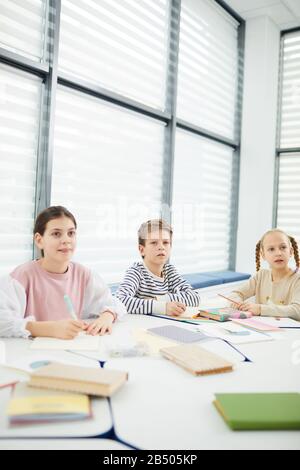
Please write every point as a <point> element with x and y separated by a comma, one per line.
<point>67,329</point>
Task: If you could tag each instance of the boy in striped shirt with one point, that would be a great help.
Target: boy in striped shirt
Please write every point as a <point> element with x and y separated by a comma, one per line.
<point>153,286</point>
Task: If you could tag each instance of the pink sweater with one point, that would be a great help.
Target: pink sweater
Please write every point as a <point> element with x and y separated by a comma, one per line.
<point>32,294</point>
<point>45,291</point>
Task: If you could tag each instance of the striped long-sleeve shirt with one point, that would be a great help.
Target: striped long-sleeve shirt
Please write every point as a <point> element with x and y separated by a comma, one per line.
<point>144,293</point>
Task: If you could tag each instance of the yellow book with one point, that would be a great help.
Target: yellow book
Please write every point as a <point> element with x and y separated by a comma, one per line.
<point>29,405</point>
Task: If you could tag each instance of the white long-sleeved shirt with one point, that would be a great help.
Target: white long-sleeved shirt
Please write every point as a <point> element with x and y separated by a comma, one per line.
<point>30,293</point>
<point>280,298</point>
<point>144,293</point>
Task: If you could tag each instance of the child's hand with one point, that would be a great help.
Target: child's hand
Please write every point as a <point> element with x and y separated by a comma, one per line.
<point>175,308</point>
<point>247,307</point>
<point>66,329</point>
<point>102,325</point>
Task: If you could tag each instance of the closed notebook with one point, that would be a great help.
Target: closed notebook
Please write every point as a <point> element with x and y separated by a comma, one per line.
<point>257,325</point>
<point>197,360</point>
<point>260,411</point>
<point>29,406</point>
<point>98,382</point>
<point>223,314</point>
<point>175,333</point>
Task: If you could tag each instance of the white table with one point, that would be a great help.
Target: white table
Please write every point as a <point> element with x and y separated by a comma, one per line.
<point>168,408</point>
<point>162,406</point>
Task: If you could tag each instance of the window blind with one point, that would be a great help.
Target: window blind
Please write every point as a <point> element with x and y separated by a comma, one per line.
<point>120,45</point>
<point>22,24</point>
<point>107,169</point>
<point>288,215</point>
<point>203,177</point>
<point>290,104</point>
<point>19,127</point>
<point>208,67</point>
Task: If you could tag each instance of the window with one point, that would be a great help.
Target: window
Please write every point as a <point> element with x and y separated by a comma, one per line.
<point>122,111</point>
<point>19,129</point>
<point>108,165</point>
<point>121,46</point>
<point>288,209</point>
<point>208,72</point>
<point>206,157</point>
<point>288,215</point>
<point>22,27</point>
<point>202,203</point>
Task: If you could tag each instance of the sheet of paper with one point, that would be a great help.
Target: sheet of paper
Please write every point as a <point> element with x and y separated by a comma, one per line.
<point>80,343</point>
<point>154,343</point>
<point>218,331</point>
<point>224,350</point>
<point>280,322</point>
<point>10,375</point>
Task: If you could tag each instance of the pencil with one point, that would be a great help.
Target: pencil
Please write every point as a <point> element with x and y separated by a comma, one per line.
<point>230,300</point>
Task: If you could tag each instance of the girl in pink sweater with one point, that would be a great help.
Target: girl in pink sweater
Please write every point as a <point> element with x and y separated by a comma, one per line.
<point>32,297</point>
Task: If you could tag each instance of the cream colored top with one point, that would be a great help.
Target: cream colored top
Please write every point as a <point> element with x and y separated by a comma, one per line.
<point>281,298</point>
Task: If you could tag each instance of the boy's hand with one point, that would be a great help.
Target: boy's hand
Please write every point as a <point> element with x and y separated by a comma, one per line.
<point>248,307</point>
<point>66,329</point>
<point>175,308</point>
<point>102,325</point>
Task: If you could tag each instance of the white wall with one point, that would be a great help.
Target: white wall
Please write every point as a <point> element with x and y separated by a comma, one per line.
<point>258,141</point>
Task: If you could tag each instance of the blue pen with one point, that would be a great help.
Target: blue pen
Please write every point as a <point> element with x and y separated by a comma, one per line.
<point>70,307</point>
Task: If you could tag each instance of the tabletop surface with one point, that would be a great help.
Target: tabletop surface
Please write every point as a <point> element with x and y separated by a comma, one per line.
<point>162,406</point>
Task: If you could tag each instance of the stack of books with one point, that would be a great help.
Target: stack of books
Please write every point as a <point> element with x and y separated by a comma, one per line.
<point>29,406</point>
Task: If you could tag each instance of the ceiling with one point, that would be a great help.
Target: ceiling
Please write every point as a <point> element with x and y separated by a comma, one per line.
<point>285,13</point>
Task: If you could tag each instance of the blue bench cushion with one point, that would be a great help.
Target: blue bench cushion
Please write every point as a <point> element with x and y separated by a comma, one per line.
<point>201,280</point>
<point>228,276</point>
<point>213,278</point>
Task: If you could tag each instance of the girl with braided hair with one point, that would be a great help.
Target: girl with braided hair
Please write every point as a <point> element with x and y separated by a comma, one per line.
<point>276,290</point>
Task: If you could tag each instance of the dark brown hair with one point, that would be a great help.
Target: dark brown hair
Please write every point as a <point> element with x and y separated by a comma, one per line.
<point>51,213</point>
<point>259,248</point>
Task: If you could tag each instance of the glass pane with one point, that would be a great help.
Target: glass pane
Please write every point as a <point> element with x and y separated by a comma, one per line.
<point>289,194</point>
<point>208,67</point>
<point>201,204</point>
<point>22,24</point>
<point>108,169</point>
<point>290,108</point>
<point>19,127</point>
<point>119,45</point>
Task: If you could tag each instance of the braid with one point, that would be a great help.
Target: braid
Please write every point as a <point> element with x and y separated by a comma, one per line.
<point>257,255</point>
<point>296,251</point>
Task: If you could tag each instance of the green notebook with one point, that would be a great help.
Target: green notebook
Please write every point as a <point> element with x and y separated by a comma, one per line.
<point>260,411</point>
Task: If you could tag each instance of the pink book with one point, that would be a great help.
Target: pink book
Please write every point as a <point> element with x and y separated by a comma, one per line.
<point>255,325</point>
